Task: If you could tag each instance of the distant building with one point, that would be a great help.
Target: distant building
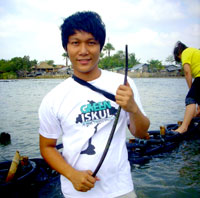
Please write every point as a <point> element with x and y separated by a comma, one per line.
<point>168,70</point>
<point>142,67</point>
<point>117,69</point>
<point>172,68</point>
<point>44,68</point>
<point>65,70</point>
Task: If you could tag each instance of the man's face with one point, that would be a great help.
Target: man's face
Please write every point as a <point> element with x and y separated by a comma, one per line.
<point>84,52</point>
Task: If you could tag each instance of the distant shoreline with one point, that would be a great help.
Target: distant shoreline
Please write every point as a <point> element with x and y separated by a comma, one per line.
<point>130,74</point>
<point>153,75</point>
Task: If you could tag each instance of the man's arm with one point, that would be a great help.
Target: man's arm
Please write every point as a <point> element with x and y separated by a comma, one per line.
<point>188,74</point>
<point>139,123</point>
<point>81,180</point>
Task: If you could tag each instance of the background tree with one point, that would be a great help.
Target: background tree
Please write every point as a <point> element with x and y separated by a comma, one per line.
<point>50,62</point>
<point>16,67</point>
<point>117,60</point>
<point>66,58</point>
<point>108,47</point>
<point>170,59</point>
<point>155,65</point>
<point>101,55</point>
<point>132,60</point>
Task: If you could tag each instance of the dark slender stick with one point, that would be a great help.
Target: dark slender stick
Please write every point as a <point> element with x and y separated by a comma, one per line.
<point>126,66</point>
<point>114,124</point>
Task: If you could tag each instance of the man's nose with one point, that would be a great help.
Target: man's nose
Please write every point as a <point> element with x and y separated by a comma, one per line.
<point>83,49</point>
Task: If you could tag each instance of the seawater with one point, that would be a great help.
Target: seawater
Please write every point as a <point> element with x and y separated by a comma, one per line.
<point>175,174</point>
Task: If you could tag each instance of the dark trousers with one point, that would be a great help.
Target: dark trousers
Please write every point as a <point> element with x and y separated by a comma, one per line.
<point>193,96</point>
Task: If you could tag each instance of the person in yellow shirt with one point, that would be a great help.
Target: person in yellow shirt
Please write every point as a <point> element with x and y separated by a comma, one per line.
<point>190,59</point>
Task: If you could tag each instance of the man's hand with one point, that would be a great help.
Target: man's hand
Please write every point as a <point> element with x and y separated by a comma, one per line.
<point>124,98</point>
<point>83,180</point>
<point>139,123</point>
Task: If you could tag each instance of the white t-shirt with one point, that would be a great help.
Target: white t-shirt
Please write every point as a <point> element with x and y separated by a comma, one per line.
<point>84,119</point>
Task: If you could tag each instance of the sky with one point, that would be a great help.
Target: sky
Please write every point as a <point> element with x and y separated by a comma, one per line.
<point>150,28</point>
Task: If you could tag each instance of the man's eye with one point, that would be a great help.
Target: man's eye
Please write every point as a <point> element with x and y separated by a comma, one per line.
<point>92,43</point>
<point>74,43</point>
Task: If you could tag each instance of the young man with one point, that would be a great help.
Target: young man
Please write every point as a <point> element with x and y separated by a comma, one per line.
<point>84,118</point>
<point>190,59</point>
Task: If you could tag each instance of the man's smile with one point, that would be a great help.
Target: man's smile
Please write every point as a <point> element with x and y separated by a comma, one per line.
<point>84,61</point>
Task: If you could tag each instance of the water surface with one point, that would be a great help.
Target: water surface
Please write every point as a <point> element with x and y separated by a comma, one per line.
<point>175,174</point>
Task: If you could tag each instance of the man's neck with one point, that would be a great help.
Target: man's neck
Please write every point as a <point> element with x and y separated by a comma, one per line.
<point>89,76</point>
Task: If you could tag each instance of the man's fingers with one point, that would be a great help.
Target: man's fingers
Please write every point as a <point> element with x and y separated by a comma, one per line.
<point>90,178</point>
<point>84,181</point>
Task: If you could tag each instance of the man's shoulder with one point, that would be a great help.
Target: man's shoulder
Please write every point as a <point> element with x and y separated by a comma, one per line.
<point>112,74</point>
<point>62,87</point>
<point>119,77</point>
<point>66,83</point>
<point>56,95</point>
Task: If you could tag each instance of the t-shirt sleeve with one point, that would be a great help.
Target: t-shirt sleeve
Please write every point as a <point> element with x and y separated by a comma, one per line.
<point>186,57</point>
<point>49,123</point>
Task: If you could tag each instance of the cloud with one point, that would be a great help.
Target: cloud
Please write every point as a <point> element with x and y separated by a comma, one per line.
<point>193,7</point>
<point>149,27</point>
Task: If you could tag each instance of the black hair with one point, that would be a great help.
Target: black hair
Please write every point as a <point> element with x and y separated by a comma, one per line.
<point>178,49</point>
<point>86,21</point>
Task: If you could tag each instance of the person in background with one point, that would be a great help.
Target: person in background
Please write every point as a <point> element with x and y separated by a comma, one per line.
<point>84,118</point>
<point>190,59</point>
